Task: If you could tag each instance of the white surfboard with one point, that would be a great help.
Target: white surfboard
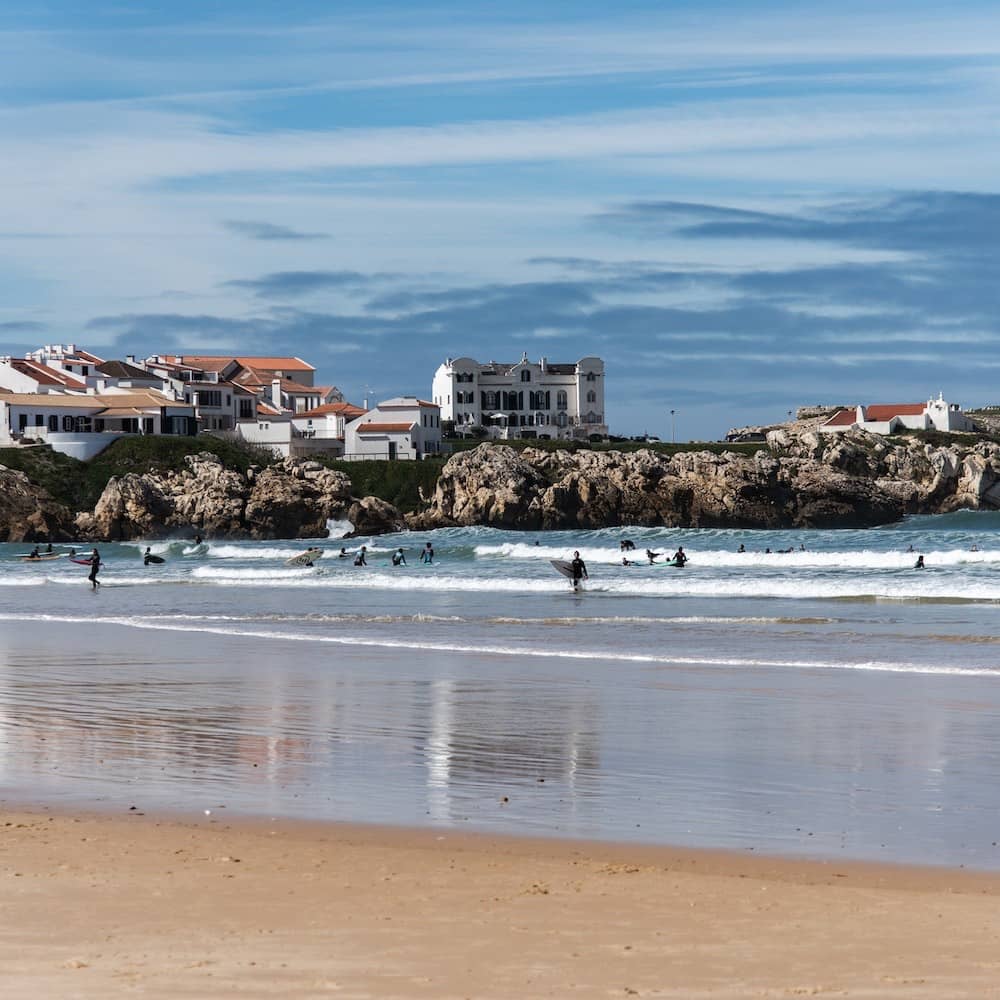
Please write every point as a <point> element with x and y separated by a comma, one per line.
<point>305,558</point>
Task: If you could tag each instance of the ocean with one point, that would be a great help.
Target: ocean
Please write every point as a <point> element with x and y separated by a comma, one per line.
<point>828,700</point>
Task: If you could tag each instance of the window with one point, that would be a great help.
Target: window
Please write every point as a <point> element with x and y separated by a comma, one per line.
<point>85,370</point>
<point>561,399</point>
<point>67,423</point>
<point>591,377</point>
<point>246,409</point>
<point>210,397</point>
<point>525,375</point>
<point>53,423</point>
<point>591,396</point>
<point>22,421</point>
<point>39,419</point>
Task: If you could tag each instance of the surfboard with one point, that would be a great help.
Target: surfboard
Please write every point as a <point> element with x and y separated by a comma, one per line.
<point>305,558</point>
<point>42,558</point>
<point>79,561</point>
<point>561,566</point>
<point>198,550</point>
<point>153,559</point>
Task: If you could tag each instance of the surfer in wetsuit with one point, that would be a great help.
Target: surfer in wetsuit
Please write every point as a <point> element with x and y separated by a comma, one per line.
<point>343,553</point>
<point>147,556</point>
<point>627,545</point>
<point>579,568</point>
<point>652,556</point>
<point>398,559</point>
<point>359,559</point>
<point>427,556</point>
<point>679,558</point>
<point>919,564</point>
<point>35,553</point>
<point>95,565</point>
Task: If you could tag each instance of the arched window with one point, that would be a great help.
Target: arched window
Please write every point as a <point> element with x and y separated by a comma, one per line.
<point>561,399</point>
<point>525,375</point>
<point>591,396</point>
<point>591,377</point>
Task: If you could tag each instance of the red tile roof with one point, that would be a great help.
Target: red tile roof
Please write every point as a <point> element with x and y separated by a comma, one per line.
<point>383,428</point>
<point>886,411</point>
<point>347,410</point>
<point>208,361</point>
<point>842,418</point>
<point>44,375</point>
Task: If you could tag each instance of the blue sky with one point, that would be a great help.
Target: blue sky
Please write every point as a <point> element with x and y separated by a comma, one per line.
<point>742,207</point>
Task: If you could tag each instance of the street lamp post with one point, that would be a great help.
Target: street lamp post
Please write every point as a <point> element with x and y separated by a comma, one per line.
<point>673,439</point>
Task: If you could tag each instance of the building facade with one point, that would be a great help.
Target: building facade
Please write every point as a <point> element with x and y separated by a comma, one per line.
<point>524,400</point>
<point>400,428</point>
<point>890,418</point>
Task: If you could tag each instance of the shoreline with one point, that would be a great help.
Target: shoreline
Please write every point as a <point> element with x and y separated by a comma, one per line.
<point>97,904</point>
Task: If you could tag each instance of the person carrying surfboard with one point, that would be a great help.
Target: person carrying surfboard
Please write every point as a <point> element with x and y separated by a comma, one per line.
<point>95,565</point>
<point>579,568</point>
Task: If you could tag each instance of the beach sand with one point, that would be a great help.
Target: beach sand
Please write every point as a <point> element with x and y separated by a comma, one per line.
<point>94,906</point>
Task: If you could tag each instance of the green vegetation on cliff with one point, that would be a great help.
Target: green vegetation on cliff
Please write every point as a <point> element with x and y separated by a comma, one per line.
<point>398,483</point>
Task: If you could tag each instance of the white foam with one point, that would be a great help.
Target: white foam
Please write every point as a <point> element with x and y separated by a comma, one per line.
<point>515,651</point>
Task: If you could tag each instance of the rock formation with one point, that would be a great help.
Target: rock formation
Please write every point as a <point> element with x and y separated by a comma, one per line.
<point>798,479</point>
<point>291,500</point>
<point>28,513</point>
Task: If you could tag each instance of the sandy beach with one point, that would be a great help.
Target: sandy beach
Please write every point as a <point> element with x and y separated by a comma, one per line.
<point>105,905</point>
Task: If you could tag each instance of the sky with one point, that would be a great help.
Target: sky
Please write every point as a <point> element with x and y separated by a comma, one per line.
<point>742,207</point>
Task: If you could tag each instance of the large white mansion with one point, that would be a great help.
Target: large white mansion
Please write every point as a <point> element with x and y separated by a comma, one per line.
<point>524,400</point>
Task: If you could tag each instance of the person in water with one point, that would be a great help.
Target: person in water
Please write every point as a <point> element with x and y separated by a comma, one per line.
<point>398,558</point>
<point>919,564</point>
<point>343,553</point>
<point>679,558</point>
<point>197,539</point>
<point>147,556</point>
<point>579,568</point>
<point>95,566</point>
<point>626,561</point>
<point>48,548</point>
<point>627,546</point>
<point>35,553</point>
<point>427,556</point>
<point>359,559</point>
<point>652,556</point>
<point>742,548</point>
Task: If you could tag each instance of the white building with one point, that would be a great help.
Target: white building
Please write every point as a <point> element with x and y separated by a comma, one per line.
<point>400,428</point>
<point>82,426</point>
<point>524,400</point>
<point>890,418</point>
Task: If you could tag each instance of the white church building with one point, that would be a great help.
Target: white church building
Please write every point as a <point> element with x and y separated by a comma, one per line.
<point>890,418</point>
<point>529,399</point>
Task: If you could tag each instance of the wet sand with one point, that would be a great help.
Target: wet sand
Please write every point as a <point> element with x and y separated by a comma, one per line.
<point>109,905</point>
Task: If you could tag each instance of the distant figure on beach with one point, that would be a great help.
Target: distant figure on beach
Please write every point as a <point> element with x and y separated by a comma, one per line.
<point>343,553</point>
<point>579,568</point>
<point>398,559</point>
<point>652,556</point>
<point>95,566</point>
<point>359,559</point>
<point>919,564</point>
<point>427,556</point>
<point>742,548</point>
<point>627,545</point>
<point>679,558</point>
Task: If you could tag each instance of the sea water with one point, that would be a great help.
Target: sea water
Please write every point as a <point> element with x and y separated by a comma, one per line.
<point>823,698</point>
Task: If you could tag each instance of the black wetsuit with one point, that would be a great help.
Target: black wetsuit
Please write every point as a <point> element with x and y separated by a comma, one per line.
<point>95,566</point>
<point>579,568</point>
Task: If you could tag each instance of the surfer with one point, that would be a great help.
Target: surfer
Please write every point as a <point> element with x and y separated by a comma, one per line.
<point>343,553</point>
<point>627,545</point>
<point>35,553</point>
<point>919,564</point>
<point>679,559</point>
<point>197,539</point>
<point>626,561</point>
<point>48,549</point>
<point>359,559</point>
<point>579,568</point>
<point>398,559</point>
<point>95,566</point>
<point>427,556</point>
<point>742,548</point>
<point>147,556</point>
<point>652,556</point>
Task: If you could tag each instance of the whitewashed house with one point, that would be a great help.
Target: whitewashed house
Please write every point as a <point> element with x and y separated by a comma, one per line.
<point>401,428</point>
<point>890,418</point>
<point>524,400</point>
<point>83,425</point>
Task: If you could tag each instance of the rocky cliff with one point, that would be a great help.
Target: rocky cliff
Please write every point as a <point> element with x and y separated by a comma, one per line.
<point>294,499</point>
<point>798,479</point>
<point>28,513</point>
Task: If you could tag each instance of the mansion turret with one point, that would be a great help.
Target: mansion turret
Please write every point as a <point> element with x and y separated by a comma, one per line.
<point>524,400</point>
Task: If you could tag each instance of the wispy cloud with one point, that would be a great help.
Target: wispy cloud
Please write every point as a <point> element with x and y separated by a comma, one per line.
<point>270,231</point>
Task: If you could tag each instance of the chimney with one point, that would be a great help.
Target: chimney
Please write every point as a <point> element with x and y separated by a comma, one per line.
<point>130,359</point>
<point>544,364</point>
<point>276,393</point>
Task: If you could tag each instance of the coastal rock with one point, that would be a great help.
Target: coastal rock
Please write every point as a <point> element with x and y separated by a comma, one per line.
<point>28,513</point>
<point>290,500</point>
<point>372,516</point>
